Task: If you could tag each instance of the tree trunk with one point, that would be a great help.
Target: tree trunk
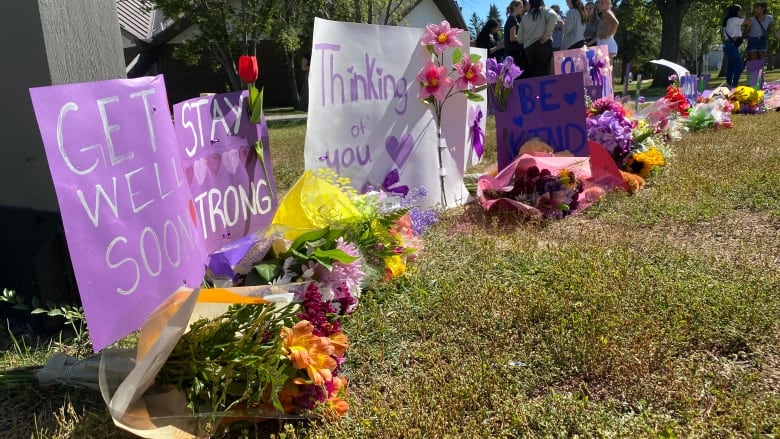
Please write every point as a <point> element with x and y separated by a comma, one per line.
<point>358,13</point>
<point>291,82</point>
<point>672,13</point>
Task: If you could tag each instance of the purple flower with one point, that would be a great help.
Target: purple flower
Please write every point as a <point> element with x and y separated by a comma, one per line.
<point>316,312</point>
<point>422,219</point>
<point>347,276</point>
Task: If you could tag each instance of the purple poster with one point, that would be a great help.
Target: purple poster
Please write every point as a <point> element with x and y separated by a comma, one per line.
<point>755,73</point>
<point>689,87</point>
<point>233,192</point>
<point>128,215</point>
<point>551,108</point>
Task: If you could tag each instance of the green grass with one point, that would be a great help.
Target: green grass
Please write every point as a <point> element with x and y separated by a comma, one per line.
<point>652,315</point>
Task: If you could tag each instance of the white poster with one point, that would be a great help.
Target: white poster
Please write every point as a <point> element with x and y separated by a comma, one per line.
<point>476,121</point>
<point>365,120</point>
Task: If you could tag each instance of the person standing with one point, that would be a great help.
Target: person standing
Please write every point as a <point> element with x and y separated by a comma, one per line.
<point>557,36</point>
<point>303,96</point>
<point>732,39</point>
<point>607,27</point>
<point>535,34</point>
<point>487,39</point>
<point>513,47</point>
<point>760,26</point>
<point>574,25</point>
<point>591,22</point>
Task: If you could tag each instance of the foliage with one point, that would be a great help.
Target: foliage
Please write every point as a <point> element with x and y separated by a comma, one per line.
<point>638,36</point>
<point>494,13</point>
<point>475,25</point>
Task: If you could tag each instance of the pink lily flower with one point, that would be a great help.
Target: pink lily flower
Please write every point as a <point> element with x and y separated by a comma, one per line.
<point>441,37</point>
<point>470,76</point>
<point>433,81</point>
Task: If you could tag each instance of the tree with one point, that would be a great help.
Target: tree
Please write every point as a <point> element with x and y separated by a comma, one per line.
<point>229,28</point>
<point>493,13</point>
<point>672,14</point>
<point>638,36</point>
<point>475,25</point>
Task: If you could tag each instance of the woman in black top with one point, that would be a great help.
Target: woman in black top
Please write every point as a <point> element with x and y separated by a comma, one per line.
<point>512,47</point>
<point>487,39</point>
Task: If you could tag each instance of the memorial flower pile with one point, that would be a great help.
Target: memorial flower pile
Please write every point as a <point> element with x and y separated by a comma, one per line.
<point>554,195</point>
<point>609,125</point>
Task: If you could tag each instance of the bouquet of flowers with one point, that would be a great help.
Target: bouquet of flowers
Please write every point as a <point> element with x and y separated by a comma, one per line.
<point>712,113</point>
<point>747,100</point>
<point>276,348</point>
<point>609,125</point>
<point>675,97</point>
<point>554,195</point>
<point>501,79</point>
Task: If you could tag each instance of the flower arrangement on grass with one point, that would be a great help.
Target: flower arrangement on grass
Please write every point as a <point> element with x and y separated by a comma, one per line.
<point>554,195</point>
<point>609,125</point>
<point>675,97</point>
<point>747,100</point>
<point>438,83</point>
<point>288,358</point>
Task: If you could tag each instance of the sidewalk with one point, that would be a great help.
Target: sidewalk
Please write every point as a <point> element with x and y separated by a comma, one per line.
<point>285,113</point>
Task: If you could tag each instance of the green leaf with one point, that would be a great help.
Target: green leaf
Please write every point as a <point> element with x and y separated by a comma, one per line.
<point>268,270</point>
<point>335,254</point>
<point>307,237</point>
<point>457,55</point>
<point>474,97</point>
<point>38,311</point>
<point>430,49</point>
<point>474,58</point>
<point>255,104</point>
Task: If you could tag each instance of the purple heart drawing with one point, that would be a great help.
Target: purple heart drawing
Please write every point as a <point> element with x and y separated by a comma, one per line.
<point>400,150</point>
<point>188,172</point>
<point>570,97</point>
<point>518,121</point>
<point>243,154</point>
<point>215,161</point>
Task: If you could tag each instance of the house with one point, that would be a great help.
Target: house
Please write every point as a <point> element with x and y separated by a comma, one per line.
<point>149,39</point>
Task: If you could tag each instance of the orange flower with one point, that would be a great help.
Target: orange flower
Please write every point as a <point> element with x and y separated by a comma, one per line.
<point>297,341</point>
<point>335,402</point>
<point>340,343</point>
<point>322,363</point>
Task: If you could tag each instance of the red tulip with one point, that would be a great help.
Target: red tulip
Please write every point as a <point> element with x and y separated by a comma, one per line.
<point>247,69</point>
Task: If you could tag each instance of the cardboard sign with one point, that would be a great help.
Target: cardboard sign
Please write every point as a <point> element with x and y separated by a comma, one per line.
<point>232,190</point>
<point>593,62</point>
<point>125,203</point>
<point>755,73</point>
<point>365,120</point>
<point>689,88</point>
<point>476,120</point>
<point>551,108</point>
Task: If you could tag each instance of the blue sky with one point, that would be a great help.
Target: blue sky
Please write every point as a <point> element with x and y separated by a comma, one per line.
<point>481,7</point>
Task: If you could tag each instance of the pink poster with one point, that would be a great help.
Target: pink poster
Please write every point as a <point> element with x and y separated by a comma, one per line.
<point>593,62</point>
<point>232,190</point>
<point>126,206</point>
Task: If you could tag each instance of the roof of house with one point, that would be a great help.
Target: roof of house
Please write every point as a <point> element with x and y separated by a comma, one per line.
<point>139,22</point>
<point>451,12</point>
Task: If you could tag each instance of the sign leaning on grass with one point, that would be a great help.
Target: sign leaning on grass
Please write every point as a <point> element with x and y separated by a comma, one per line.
<point>231,189</point>
<point>365,120</point>
<point>126,207</point>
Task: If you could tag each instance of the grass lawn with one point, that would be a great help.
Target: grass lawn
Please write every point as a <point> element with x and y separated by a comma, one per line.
<point>652,315</point>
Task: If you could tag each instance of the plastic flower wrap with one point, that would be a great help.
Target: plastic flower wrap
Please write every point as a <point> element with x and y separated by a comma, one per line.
<point>712,114</point>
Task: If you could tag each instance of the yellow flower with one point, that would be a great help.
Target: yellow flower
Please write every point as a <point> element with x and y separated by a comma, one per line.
<point>642,163</point>
<point>394,266</point>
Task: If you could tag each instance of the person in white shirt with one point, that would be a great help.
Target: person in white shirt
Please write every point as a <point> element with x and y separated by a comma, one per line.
<point>732,39</point>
